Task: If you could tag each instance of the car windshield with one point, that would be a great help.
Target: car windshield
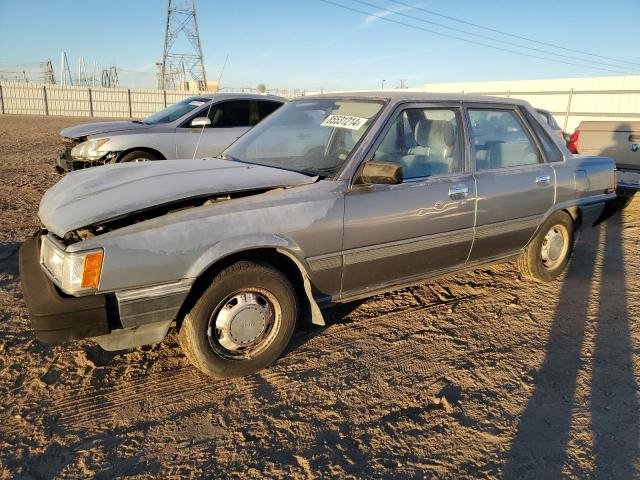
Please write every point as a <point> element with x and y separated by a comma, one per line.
<point>312,136</point>
<point>176,111</point>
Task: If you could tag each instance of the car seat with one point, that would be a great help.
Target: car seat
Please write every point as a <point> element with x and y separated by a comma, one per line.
<point>434,151</point>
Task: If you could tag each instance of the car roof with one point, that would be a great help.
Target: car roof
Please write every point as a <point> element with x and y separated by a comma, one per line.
<point>239,96</point>
<point>403,96</point>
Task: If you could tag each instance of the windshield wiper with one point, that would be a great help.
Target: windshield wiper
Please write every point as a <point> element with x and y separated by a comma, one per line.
<point>320,172</point>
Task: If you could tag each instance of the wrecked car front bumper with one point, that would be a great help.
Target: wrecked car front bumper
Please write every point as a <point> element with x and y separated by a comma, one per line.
<point>55,317</point>
<point>116,321</point>
<point>66,164</point>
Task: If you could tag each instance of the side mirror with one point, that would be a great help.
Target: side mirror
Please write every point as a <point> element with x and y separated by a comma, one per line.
<point>200,122</point>
<point>380,173</point>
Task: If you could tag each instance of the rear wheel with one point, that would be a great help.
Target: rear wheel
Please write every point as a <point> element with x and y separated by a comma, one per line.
<point>547,255</point>
<point>242,322</point>
<point>138,156</point>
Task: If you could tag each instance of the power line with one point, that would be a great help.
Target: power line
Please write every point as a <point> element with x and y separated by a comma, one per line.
<point>486,37</point>
<point>398,22</point>
<point>454,19</point>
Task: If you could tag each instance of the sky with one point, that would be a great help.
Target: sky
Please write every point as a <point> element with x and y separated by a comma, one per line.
<point>313,45</point>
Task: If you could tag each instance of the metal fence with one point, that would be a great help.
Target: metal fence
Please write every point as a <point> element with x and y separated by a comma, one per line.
<point>38,99</point>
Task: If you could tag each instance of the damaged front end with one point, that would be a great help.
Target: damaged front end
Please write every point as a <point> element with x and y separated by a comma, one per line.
<point>138,291</point>
<point>69,161</point>
<point>144,214</point>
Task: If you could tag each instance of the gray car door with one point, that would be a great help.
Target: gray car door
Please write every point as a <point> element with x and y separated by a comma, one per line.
<point>423,225</point>
<point>515,185</point>
<point>229,120</point>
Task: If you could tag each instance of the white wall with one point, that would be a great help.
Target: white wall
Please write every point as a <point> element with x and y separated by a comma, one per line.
<point>593,98</point>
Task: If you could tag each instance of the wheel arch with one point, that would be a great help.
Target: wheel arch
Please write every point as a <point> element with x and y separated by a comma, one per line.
<point>150,150</point>
<point>573,212</point>
<point>276,256</point>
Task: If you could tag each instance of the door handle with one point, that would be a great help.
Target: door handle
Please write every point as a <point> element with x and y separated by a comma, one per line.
<point>543,179</point>
<point>458,193</point>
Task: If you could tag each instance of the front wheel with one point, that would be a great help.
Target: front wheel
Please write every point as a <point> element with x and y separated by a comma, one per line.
<point>242,322</point>
<point>547,255</point>
<point>137,156</point>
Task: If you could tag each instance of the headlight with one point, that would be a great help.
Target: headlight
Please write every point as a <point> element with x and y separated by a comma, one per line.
<point>89,150</point>
<point>72,272</point>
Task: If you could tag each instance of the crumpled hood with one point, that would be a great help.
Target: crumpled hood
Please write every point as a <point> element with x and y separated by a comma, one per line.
<point>86,197</point>
<point>96,128</point>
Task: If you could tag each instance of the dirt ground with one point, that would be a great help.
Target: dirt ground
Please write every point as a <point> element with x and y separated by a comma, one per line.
<point>481,375</point>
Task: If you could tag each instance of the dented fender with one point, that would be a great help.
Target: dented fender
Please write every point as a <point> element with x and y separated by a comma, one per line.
<point>282,245</point>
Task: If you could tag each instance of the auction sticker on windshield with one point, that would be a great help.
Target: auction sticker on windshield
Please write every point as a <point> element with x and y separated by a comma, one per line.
<point>344,121</point>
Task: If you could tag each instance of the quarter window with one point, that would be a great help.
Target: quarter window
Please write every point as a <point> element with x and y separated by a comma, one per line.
<point>551,151</point>
<point>425,142</point>
<point>499,140</point>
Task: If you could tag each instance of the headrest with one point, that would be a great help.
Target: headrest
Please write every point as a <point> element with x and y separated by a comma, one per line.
<point>421,132</point>
<point>434,133</point>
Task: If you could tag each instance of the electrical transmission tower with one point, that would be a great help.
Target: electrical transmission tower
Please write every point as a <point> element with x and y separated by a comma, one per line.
<point>48,74</point>
<point>178,64</point>
<point>110,77</point>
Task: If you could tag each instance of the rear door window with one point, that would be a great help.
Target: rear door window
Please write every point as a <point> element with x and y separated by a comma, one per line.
<point>499,140</point>
<point>235,113</point>
<point>266,108</point>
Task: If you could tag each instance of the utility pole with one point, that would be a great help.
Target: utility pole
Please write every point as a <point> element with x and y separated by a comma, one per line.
<point>181,19</point>
<point>82,73</point>
<point>403,81</point>
<point>65,71</point>
<point>383,84</point>
<point>94,74</point>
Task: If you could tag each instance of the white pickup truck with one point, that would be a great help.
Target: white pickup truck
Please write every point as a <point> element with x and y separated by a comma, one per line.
<point>618,140</point>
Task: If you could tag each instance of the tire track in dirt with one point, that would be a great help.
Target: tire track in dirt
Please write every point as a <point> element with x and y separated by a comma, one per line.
<point>192,389</point>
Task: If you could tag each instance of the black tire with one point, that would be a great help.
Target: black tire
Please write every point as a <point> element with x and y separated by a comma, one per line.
<point>137,156</point>
<point>540,261</point>
<point>206,345</point>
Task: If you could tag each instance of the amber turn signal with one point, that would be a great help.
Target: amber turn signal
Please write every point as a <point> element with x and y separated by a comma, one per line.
<point>91,270</point>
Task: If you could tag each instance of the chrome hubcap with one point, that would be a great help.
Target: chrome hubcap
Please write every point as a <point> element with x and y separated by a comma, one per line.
<point>554,246</point>
<point>244,323</point>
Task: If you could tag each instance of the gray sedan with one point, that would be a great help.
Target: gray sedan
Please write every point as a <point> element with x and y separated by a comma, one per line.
<point>198,126</point>
<point>330,199</point>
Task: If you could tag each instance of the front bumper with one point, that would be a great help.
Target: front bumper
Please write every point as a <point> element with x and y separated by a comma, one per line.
<point>66,163</point>
<point>55,317</point>
<point>117,321</point>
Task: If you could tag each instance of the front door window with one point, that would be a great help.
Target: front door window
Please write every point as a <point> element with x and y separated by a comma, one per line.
<point>425,142</point>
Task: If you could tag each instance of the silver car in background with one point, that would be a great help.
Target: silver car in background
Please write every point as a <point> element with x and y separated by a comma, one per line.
<point>203,126</point>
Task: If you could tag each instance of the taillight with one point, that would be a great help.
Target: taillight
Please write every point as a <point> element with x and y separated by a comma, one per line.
<point>573,142</point>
